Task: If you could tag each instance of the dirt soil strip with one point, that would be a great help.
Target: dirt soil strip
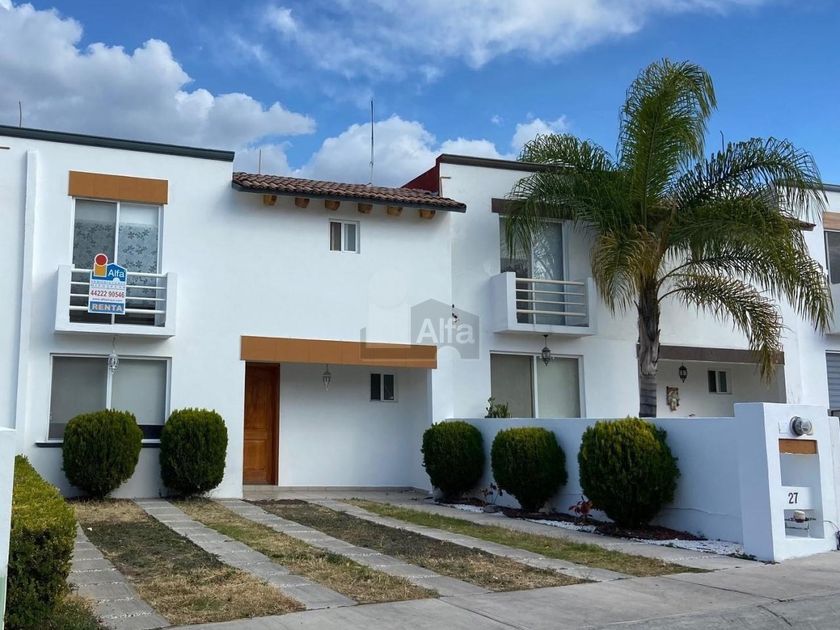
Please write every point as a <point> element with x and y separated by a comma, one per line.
<point>184,583</point>
<point>115,601</point>
<point>519,555</point>
<point>238,555</point>
<point>470,565</point>
<point>442,585</point>
<point>340,573</point>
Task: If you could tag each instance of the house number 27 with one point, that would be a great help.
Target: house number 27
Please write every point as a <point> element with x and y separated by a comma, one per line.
<point>793,498</point>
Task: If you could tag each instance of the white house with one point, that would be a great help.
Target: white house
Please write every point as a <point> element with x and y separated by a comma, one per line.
<point>328,323</point>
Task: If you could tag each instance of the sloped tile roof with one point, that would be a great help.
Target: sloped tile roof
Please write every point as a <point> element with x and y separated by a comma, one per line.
<point>295,186</point>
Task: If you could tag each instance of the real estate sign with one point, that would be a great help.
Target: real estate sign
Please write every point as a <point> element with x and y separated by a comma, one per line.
<point>108,283</point>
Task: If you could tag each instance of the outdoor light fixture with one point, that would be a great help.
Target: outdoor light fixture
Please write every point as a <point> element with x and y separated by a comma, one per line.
<point>326,377</point>
<point>801,426</point>
<point>546,351</point>
<point>113,358</point>
<point>683,372</point>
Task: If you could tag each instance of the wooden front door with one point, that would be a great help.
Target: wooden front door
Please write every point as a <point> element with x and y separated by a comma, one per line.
<point>262,416</point>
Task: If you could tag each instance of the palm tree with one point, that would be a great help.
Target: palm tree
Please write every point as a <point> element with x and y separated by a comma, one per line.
<point>720,233</point>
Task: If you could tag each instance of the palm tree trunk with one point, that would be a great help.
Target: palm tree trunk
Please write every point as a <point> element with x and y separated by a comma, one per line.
<point>648,351</point>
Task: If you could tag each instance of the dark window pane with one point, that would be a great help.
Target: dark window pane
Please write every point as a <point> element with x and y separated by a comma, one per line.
<point>376,387</point>
<point>723,388</point>
<point>712,382</point>
<point>335,236</point>
<point>151,431</point>
<point>832,255</point>
<point>387,387</point>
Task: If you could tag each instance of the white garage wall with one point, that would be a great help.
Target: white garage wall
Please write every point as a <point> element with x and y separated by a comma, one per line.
<point>340,437</point>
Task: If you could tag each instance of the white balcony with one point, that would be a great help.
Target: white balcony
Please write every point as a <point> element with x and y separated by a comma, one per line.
<point>149,312</point>
<point>546,307</point>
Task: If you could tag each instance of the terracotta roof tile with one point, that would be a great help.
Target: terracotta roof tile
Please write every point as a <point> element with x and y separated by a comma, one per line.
<point>280,185</point>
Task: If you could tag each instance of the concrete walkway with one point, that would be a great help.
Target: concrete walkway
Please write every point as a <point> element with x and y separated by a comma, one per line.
<point>236,554</point>
<point>114,599</point>
<point>799,593</point>
<point>419,576</point>
<point>417,500</point>
<point>519,555</point>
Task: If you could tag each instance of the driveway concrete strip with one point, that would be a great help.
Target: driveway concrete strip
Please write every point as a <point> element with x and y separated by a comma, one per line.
<point>443,585</point>
<point>522,556</point>
<point>114,599</point>
<point>685,557</point>
<point>234,553</point>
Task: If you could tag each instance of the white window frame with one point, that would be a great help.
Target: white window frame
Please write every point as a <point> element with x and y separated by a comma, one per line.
<point>342,248</point>
<point>109,380</point>
<point>564,235</point>
<point>117,231</point>
<point>535,395</point>
<point>382,387</point>
<point>728,376</point>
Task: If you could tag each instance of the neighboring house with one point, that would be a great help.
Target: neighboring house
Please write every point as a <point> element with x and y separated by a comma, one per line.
<point>328,323</point>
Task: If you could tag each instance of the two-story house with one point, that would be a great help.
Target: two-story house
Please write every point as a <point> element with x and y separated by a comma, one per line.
<point>328,323</point>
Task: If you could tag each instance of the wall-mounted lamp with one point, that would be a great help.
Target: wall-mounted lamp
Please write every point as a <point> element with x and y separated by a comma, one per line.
<point>683,372</point>
<point>546,351</point>
<point>113,357</point>
<point>801,426</point>
<point>326,378</point>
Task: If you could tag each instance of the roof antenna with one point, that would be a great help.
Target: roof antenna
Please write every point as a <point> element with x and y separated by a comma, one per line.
<point>370,183</point>
<point>722,142</point>
<point>259,163</point>
<point>20,114</point>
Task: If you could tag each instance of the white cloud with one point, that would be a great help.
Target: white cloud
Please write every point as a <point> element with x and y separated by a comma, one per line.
<point>399,38</point>
<point>403,150</point>
<point>529,130</point>
<point>107,90</point>
<point>496,119</point>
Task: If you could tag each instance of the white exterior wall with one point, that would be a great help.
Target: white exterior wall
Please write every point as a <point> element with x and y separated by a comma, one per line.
<point>243,269</point>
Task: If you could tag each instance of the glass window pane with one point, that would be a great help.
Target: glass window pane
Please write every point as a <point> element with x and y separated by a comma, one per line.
<point>558,392</point>
<point>376,387</point>
<point>78,386</point>
<point>138,237</point>
<point>350,237</point>
<point>94,231</point>
<point>832,254</point>
<point>723,387</point>
<point>712,381</point>
<point>139,386</point>
<point>511,383</point>
<point>335,236</point>
<point>548,252</point>
<point>518,261</point>
<point>387,387</point>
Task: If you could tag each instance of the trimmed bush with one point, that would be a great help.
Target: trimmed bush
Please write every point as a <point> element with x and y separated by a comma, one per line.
<point>627,470</point>
<point>193,447</point>
<point>40,548</point>
<point>101,450</point>
<point>453,455</point>
<point>529,464</point>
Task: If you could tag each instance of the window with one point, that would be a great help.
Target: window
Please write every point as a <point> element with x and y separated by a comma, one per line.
<point>832,361</point>
<point>85,384</point>
<point>344,236</point>
<point>532,389</point>
<point>718,382</point>
<point>383,387</point>
<point>832,256</point>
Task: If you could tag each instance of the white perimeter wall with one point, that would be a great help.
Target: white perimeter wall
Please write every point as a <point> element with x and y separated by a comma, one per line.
<point>707,501</point>
<point>340,437</point>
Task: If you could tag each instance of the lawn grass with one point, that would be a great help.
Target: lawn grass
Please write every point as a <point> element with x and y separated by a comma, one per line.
<point>361,583</point>
<point>180,580</point>
<point>471,565</point>
<point>548,546</point>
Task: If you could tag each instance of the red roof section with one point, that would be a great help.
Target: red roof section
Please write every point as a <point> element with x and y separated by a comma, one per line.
<point>295,186</point>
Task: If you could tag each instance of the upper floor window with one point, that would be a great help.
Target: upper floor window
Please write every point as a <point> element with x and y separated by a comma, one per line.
<point>543,260</point>
<point>832,256</point>
<point>128,233</point>
<point>344,236</point>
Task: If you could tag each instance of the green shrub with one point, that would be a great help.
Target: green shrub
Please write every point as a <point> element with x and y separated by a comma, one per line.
<point>529,464</point>
<point>627,470</point>
<point>101,450</point>
<point>193,446</point>
<point>40,548</point>
<point>453,455</point>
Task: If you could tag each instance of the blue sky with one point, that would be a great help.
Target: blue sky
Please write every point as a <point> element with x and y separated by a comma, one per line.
<point>294,78</point>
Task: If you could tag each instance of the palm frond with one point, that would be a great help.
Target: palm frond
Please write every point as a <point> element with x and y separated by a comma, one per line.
<point>622,260</point>
<point>731,299</point>
<point>663,128</point>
